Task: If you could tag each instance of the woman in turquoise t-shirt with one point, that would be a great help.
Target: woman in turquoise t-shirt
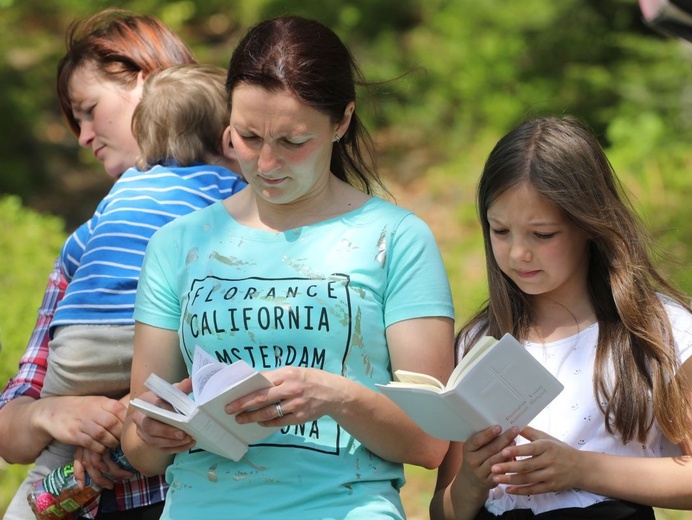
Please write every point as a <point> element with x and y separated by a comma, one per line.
<point>308,277</point>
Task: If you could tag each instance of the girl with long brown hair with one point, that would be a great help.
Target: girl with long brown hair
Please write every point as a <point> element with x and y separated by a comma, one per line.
<point>570,275</point>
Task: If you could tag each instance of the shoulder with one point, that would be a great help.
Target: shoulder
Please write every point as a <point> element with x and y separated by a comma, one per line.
<point>198,173</point>
<point>680,317</point>
<point>681,325</point>
<point>200,220</point>
<point>395,226</point>
<point>207,171</point>
<point>383,207</point>
<point>395,217</point>
<point>127,174</point>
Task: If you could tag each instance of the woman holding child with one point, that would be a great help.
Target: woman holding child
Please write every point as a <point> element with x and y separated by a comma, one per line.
<point>82,375</point>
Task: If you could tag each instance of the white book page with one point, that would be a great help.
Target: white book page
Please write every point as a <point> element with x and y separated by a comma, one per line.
<point>226,377</point>
<point>406,378</point>
<point>204,366</point>
<point>202,358</point>
<point>479,349</point>
<point>210,377</point>
<point>169,393</point>
<point>158,413</point>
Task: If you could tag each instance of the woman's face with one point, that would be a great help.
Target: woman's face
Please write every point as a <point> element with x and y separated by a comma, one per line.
<point>284,147</point>
<point>103,110</point>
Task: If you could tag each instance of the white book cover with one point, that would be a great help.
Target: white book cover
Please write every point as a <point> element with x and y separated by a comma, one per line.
<point>204,418</point>
<point>497,382</point>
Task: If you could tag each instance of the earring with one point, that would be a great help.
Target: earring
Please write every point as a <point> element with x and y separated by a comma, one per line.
<point>337,138</point>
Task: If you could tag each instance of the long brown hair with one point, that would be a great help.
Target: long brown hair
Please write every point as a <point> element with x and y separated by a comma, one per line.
<point>308,59</point>
<point>562,160</point>
<point>121,44</point>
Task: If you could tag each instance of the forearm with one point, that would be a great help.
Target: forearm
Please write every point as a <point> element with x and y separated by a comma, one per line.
<point>147,460</point>
<point>658,482</point>
<point>385,429</point>
<point>156,350</point>
<point>456,503</point>
<point>423,345</point>
<point>22,436</point>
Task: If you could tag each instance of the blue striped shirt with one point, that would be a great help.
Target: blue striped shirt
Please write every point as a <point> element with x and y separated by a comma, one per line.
<point>103,257</point>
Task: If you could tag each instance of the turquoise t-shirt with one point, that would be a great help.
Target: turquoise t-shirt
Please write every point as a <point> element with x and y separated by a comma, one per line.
<point>318,296</point>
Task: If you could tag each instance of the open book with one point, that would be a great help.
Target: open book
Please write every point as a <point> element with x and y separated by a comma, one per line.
<point>497,382</point>
<point>214,385</point>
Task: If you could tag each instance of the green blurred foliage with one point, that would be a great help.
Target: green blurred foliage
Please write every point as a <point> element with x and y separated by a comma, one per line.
<point>448,78</point>
<point>29,243</point>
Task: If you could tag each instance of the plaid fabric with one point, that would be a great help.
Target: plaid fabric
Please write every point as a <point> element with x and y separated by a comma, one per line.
<point>32,366</point>
<point>136,492</point>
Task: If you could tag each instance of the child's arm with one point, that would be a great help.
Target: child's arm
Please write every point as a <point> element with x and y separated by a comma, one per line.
<point>464,477</point>
<point>102,469</point>
<point>552,466</point>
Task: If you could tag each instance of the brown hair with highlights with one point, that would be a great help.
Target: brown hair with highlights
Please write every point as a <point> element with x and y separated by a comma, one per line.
<point>121,44</point>
<point>561,159</point>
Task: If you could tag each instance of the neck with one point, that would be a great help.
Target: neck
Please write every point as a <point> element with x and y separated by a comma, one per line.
<point>555,320</point>
<point>337,198</point>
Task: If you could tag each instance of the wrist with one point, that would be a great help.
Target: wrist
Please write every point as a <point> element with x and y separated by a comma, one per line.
<point>42,417</point>
<point>343,393</point>
<point>466,498</point>
<point>588,468</point>
<point>464,501</point>
<point>23,433</point>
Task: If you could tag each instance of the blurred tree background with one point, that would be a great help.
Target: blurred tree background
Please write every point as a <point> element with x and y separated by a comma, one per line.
<point>449,78</point>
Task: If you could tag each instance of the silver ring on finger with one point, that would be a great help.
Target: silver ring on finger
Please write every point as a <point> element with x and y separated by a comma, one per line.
<point>279,411</point>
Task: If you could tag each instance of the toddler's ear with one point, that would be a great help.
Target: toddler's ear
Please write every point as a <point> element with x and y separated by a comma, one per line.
<point>229,151</point>
<point>227,144</point>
